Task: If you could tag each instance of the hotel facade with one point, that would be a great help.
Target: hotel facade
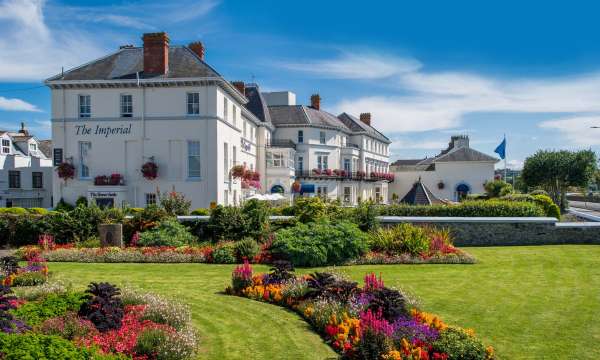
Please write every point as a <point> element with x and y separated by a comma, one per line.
<point>159,117</point>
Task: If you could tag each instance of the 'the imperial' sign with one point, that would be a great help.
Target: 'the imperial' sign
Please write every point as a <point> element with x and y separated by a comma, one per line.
<point>103,130</point>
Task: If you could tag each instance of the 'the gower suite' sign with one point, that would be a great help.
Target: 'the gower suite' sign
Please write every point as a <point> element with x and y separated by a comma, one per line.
<point>103,130</point>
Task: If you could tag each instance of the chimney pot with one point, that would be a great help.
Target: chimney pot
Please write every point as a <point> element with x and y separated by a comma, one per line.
<point>366,118</point>
<point>240,86</point>
<point>156,53</point>
<point>198,48</point>
<point>315,101</point>
<point>23,130</point>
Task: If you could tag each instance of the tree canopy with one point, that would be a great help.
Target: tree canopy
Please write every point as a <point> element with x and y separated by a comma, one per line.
<point>555,171</point>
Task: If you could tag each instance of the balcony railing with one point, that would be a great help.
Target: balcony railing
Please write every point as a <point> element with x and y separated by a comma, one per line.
<point>282,143</point>
<point>343,175</point>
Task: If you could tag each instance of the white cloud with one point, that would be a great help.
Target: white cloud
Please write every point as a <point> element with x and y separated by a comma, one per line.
<point>16,105</point>
<point>577,129</point>
<point>352,66</point>
<point>37,42</point>
<point>512,164</point>
<point>423,101</point>
<point>411,144</point>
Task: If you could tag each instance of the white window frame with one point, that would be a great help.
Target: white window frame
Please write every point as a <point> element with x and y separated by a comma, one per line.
<point>300,136</point>
<point>322,192</point>
<point>85,105</point>
<point>126,105</point>
<point>278,159</point>
<point>17,176</point>
<point>226,161</point>
<point>347,199</point>
<point>234,115</point>
<point>150,199</point>
<point>347,165</point>
<point>6,146</point>
<point>245,129</point>
<point>322,137</point>
<point>194,155</point>
<point>322,162</point>
<point>84,167</point>
<point>225,108</point>
<point>300,163</point>
<point>192,103</point>
<point>34,175</point>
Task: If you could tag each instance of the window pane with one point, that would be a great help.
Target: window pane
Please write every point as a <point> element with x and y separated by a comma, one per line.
<point>193,159</point>
<point>84,149</point>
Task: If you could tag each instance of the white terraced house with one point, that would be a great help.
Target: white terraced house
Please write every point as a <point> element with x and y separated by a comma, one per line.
<point>25,170</point>
<point>159,117</point>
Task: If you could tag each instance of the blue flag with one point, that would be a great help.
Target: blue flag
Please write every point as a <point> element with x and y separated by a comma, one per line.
<point>501,149</point>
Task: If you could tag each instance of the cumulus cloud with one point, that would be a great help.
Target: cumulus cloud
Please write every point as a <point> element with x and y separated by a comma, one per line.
<point>421,100</point>
<point>36,42</point>
<point>580,130</point>
<point>16,105</point>
<point>353,66</point>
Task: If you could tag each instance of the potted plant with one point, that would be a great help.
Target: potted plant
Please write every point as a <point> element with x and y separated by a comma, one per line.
<point>237,172</point>
<point>101,180</point>
<point>328,172</point>
<point>116,179</point>
<point>65,171</point>
<point>150,170</point>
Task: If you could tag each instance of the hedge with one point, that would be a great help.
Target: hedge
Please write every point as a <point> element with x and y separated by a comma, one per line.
<point>478,208</point>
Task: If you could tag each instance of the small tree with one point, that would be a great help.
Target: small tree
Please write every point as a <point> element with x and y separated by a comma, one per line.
<point>555,171</point>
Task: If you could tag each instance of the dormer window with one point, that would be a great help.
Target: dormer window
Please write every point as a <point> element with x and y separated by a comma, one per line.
<point>5,146</point>
<point>32,148</point>
<point>126,105</point>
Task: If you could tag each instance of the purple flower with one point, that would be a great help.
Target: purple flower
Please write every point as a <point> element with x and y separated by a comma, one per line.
<point>412,330</point>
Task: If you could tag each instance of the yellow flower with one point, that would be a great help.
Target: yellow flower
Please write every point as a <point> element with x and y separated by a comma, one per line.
<point>392,355</point>
<point>308,311</point>
<point>489,351</point>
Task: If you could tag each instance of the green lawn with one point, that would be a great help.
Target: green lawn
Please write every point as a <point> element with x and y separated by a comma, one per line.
<point>528,302</point>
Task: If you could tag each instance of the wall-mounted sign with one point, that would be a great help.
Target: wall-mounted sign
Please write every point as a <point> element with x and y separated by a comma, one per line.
<point>102,194</point>
<point>103,130</point>
<point>246,145</point>
<point>58,156</point>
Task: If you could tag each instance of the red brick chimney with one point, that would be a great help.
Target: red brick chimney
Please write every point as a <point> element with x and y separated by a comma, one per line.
<point>315,101</point>
<point>366,118</point>
<point>240,86</point>
<point>198,48</point>
<point>156,53</point>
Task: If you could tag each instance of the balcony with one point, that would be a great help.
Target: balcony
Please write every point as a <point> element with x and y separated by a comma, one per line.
<point>282,143</point>
<point>329,174</point>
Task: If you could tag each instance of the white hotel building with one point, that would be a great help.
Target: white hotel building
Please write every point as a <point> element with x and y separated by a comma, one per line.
<point>164,104</point>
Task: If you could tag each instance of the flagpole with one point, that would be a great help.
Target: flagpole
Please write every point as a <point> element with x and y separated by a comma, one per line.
<point>505,178</point>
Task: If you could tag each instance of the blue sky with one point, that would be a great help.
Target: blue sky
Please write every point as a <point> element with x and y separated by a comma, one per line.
<point>424,69</point>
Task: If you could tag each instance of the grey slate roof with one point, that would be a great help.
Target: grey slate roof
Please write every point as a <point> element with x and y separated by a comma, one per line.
<point>465,154</point>
<point>408,162</point>
<point>45,147</point>
<point>123,64</point>
<point>303,115</point>
<point>419,194</point>
<point>256,103</point>
<point>356,125</point>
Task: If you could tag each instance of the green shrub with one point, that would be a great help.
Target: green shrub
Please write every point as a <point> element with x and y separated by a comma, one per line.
<point>497,188</point>
<point>93,242</point>
<point>148,341</point>
<point>545,202</point>
<point>459,345</point>
<point>144,220</point>
<point>62,205</point>
<point>134,210</point>
<point>53,305</point>
<point>365,216</point>
<point>38,211</point>
<point>82,200</point>
<point>68,326</point>
<point>168,233</point>
<point>174,203</point>
<point>256,214</point>
<point>483,208</point>
<point>36,346</point>
<point>227,222</point>
<point>400,239</point>
<point>201,212</point>
<point>247,248</point>
<point>29,279</point>
<point>224,253</point>
<point>13,211</point>
<point>309,209</point>
<point>318,244</point>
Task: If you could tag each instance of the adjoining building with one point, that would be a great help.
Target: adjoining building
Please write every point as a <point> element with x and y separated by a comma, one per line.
<point>159,117</point>
<point>25,170</point>
<point>457,171</point>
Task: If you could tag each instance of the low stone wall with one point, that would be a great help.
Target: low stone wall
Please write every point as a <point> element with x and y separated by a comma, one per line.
<point>508,231</point>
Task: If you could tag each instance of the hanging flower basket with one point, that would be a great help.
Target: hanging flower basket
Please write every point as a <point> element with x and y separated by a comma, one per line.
<point>238,171</point>
<point>296,186</point>
<point>65,171</point>
<point>441,185</point>
<point>150,170</point>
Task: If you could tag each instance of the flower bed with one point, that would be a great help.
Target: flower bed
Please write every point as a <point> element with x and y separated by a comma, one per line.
<point>368,322</point>
<point>54,322</point>
<point>35,273</point>
<point>156,254</point>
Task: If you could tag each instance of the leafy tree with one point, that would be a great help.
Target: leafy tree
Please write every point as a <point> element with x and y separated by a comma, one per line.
<point>555,171</point>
